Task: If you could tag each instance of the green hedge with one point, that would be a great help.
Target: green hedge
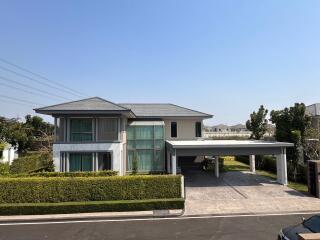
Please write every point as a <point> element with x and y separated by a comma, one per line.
<point>60,189</point>
<point>32,162</point>
<point>99,206</point>
<point>107,173</point>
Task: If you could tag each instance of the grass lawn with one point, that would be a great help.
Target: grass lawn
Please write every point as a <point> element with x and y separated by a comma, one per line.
<point>230,164</point>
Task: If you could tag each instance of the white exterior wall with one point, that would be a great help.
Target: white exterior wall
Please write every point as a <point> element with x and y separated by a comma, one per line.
<point>116,150</point>
<point>186,129</point>
<point>8,155</point>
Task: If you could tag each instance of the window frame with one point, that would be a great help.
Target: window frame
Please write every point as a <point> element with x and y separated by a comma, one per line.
<point>198,129</point>
<point>81,159</point>
<point>97,126</point>
<point>93,133</point>
<point>176,130</point>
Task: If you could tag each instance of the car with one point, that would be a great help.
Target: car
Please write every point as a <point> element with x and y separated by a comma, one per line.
<point>310,225</point>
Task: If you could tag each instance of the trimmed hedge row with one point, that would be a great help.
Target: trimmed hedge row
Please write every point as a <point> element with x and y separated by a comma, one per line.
<point>107,173</point>
<point>32,162</point>
<point>100,206</point>
<point>59,189</point>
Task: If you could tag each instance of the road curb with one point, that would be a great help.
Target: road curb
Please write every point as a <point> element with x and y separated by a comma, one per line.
<point>92,216</point>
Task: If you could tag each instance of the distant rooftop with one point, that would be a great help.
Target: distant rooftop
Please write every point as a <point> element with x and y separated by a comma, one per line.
<point>314,109</point>
<point>162,110</point>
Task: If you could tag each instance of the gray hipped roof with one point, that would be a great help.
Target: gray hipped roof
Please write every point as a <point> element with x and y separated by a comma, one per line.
<point>140,110</point>
<point>148,110</point>
<point>94,104</point>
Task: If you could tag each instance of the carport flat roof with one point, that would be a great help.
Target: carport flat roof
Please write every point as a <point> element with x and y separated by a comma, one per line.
<point>226,144</point>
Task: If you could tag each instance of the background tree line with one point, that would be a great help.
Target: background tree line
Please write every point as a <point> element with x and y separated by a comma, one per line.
<point>292,124</point>
<point>26,134</point>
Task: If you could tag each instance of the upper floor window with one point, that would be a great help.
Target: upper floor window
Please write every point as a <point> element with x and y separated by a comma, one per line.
<point>174,129</point>
<point>198,129</point>
<point>107,129</point>
<point>81,130</point>
<point>60,130</point>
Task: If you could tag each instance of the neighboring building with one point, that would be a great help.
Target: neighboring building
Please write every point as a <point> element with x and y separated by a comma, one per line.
<point>8,154</point>
<point>314,111</point>
<point>95,134</point>
<point>223,130</point>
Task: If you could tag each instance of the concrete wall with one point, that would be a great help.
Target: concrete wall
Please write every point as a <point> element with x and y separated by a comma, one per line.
<point>116,150</point>
<point>185,129</point>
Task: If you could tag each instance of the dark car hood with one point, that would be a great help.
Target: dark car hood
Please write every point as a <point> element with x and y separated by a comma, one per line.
<point>292,231</point>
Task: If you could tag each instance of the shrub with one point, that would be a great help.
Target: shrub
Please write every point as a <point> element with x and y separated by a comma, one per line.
<point>4,169</point>
<point>32,162</point>
<point>107,173</point>
<point>100,206</point>
<point>63,189</point>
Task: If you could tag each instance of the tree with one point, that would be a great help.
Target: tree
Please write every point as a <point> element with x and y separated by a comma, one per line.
<point>291,125</point>
<point>258,124</point>
<point>290,119</point>
<point>24,134</point>
<point>135,163</point>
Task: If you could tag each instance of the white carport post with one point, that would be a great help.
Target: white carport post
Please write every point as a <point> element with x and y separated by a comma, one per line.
<point>216,166</point>
<point>252,159</point>
<point>282,177</point>
<point>174,162</point>
<point>168,162</point>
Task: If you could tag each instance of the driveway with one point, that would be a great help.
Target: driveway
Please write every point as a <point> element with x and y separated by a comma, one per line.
<point>241,193</point>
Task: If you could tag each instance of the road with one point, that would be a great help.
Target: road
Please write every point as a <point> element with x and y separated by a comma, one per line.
<point>222,228</point>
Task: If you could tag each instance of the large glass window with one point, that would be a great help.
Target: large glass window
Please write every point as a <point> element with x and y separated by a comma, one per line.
<point>146,146</point>
<point>107,129</point>
<point>80,162</point>
<point>81,130</point>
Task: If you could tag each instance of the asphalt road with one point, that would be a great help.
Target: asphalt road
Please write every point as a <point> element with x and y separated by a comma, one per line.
<point>240,228</point>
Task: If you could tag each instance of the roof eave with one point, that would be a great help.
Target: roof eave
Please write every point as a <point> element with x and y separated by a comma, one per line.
<point>128,113</point>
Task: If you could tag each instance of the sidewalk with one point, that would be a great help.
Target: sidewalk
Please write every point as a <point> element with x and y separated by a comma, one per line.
<point>87,216</point>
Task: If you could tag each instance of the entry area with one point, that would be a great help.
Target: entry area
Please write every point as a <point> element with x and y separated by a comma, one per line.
<point>241,192</point>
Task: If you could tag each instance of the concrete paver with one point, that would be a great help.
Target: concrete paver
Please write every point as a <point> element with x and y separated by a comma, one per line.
<point>242,193</point>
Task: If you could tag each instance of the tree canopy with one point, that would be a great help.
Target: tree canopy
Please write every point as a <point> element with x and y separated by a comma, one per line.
<point>289,120</point>
<point>258,124</point>
<point>23,134</point>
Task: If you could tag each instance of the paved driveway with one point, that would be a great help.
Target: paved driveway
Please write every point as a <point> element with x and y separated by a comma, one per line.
<point>241,193</point>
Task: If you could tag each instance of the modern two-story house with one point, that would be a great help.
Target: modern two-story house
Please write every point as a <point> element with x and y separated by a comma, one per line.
<point>95,134</point>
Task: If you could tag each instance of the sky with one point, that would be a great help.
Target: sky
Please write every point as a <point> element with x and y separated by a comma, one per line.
<point>222,57</point>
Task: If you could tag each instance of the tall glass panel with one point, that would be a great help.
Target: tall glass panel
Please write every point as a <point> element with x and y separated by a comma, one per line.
<point>144,132</point>
<point>145,159</point>
<point>80,162</point>
<point>86,162</point>
<point>81,129</point>
<point>74,162</point>
<point>147,143</point>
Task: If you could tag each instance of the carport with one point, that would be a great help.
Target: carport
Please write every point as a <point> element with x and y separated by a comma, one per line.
<point>218,148</point>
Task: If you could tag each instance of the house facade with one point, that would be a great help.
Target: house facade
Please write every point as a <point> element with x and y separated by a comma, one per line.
<point>95,134</point>
<point>314,111</point>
